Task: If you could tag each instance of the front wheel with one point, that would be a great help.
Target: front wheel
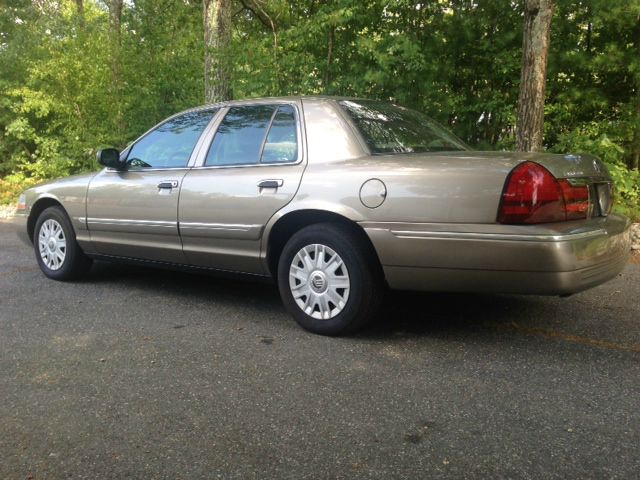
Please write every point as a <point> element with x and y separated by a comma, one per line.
<point>57,252</point>
<point>329,280</point>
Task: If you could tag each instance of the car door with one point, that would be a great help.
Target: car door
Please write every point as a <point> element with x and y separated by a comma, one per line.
<point>134,212</point>
<point>251,170</point>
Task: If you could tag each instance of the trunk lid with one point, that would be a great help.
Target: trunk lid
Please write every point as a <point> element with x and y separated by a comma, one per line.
<point>570,166</point>
<point>561,166</point>
<point>582,169</point>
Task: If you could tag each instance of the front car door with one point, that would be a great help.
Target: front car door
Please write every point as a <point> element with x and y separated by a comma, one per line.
<point>251,170</point>
<point>134,213</point>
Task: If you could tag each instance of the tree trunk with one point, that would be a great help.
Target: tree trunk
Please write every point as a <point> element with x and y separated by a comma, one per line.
<point>115,34</point>
<point>80,12</point>
<point>217,37</point>
<point>115,22</point>
<point>327,73</point>
<point>535,48</point>
<point>634,160</point>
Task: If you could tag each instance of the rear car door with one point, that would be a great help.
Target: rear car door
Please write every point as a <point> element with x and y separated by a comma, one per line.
<point>251,169</point>
<point>134,213</point>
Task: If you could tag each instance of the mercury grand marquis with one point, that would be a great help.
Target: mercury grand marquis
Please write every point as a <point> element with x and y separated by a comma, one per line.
<point>335,199</point>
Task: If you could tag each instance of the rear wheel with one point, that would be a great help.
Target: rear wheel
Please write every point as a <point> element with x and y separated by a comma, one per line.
<point>328,279</point>
<point>57,252</point>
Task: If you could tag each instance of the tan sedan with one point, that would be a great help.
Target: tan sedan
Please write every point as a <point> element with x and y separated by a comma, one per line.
<point>335,199</point>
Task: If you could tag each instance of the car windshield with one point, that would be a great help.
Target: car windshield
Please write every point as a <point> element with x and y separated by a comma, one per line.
<point>388,128</point>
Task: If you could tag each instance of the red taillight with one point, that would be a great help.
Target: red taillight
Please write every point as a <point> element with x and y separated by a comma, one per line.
<point>576,199</point>
<point>533,195</point>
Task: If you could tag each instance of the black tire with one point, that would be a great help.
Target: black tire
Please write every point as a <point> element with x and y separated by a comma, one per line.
<point>75,263</point>
<point>364,278</point>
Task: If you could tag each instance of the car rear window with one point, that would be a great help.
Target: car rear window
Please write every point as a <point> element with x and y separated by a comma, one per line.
<point>388,128</point>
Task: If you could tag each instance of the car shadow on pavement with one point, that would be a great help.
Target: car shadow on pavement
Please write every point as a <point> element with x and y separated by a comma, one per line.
<point>434,314</point>
<point>180,283</point>
<point>405,313</point>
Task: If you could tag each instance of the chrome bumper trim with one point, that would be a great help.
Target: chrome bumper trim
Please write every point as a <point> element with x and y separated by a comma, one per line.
<point>500,236</point>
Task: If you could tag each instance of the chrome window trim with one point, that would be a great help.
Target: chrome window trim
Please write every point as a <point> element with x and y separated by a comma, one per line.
<point>202,154</point>
<point>245,165</point>
<point>146,170</point>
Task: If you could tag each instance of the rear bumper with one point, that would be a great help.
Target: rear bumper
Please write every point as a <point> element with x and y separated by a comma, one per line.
<point>551,259</point>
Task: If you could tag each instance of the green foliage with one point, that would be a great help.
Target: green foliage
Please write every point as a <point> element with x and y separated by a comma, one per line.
<point>604,140</point>
<point>66,90</point>
<point>628,187</point>
<point>60,99</point>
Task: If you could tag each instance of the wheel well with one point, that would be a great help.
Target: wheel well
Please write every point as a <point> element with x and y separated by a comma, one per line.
<point>291,223</point>
<point>39,207</point>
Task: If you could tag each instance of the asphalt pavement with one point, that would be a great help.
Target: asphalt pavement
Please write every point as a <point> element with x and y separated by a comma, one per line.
<point>142,373</point>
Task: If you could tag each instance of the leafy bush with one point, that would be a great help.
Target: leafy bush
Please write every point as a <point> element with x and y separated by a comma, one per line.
<point>12,186</point>
<point>596,138</point>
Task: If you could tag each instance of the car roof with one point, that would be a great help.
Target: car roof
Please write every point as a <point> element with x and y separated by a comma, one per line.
<point>258,100</point>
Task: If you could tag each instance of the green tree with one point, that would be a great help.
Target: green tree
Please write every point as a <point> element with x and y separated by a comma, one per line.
<point>71,82</point>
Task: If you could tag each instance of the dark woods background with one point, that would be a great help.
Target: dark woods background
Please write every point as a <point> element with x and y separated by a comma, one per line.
<point>76,75</point>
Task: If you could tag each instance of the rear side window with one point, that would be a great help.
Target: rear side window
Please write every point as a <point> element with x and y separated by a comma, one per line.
<point>252,134</point>
<point>282,143</point>
<point>388,128</point>
<point>170,145</point>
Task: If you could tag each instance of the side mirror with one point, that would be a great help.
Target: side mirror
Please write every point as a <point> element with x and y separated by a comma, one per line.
<point>110,157</point>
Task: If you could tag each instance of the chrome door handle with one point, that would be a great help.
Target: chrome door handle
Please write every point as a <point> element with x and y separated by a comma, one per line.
<point>168,184</point>
<point>271,183</point>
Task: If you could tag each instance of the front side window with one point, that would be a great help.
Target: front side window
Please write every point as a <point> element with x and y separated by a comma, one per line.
<point>171,144</point>
<point>253,134</point>
<point>388,128</point>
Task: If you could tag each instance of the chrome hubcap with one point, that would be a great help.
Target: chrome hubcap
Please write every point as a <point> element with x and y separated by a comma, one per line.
<point>319,281</point>
<point>52,244</point>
